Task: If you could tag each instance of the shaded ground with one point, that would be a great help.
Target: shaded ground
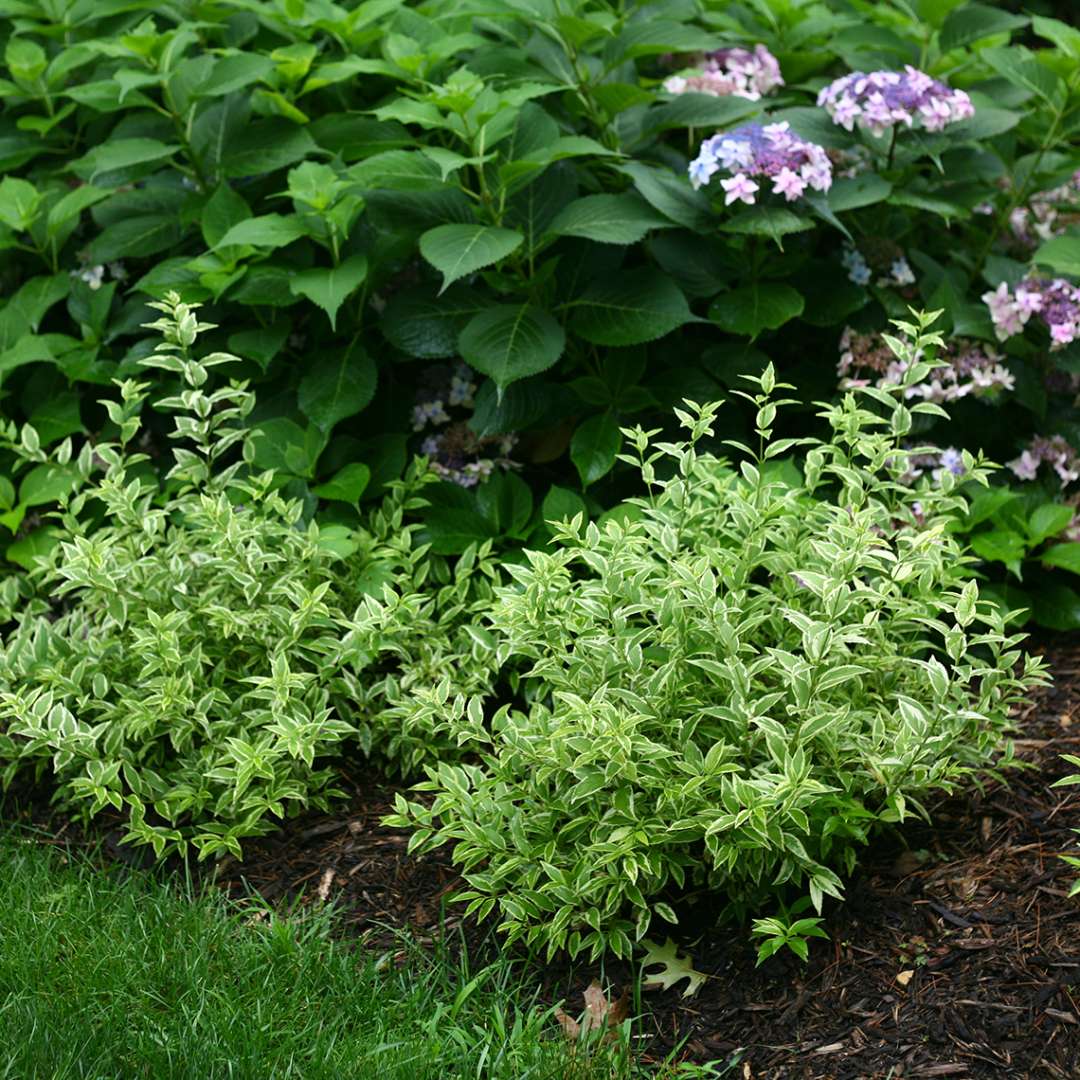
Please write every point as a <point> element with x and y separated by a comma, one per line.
<point>957,955</point>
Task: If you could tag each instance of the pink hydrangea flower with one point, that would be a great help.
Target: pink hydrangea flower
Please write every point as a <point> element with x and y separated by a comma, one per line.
<point>736,71</point>
<point>1063,333</point>
<point>789,184</point>
<point>1026,466</point>
<point>739,188</point>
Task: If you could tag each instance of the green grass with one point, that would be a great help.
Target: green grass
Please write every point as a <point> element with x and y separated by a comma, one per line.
<point>120,974</point>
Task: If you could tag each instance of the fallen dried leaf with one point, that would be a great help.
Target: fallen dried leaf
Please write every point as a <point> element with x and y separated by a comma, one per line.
<point>674,968</point>
<point>1057,1014</point>
<point>907,862</point>
<point>599,1013</point>
<point>323,891</point>
<point>904,977</point>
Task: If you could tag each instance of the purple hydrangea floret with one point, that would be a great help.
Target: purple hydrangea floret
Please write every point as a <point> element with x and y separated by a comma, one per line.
<point>769,152</point>
<point>879,100</point>
<point>1056,303</point>
<point>936,462</point>
<point>736,71</point>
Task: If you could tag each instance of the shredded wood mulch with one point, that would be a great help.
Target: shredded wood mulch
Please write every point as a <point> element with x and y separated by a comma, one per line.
<point>956,953</point>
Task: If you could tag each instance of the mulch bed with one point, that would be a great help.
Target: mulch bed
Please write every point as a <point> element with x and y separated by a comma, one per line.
<point>956,953</point>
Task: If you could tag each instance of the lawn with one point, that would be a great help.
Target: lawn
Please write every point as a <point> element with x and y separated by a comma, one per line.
<point>118,973</point>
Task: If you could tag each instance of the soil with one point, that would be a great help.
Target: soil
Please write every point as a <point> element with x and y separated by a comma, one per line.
<point>956,953</point>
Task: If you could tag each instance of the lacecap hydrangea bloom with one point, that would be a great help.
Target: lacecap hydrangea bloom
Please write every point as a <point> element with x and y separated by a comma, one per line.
<point>1056,303</point>
<point>879,100</point>
<point>454,451</point>
<point>771,152</point>
<point>1048,214</point>
<point>966,368</point>
<point>736,72</point>
<point>1055,451</point>
<point>898,272</point>
<point>858,269</point>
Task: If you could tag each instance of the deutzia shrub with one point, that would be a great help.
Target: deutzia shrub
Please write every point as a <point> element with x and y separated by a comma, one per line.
<point>204,652</point>
<point>733,686</point>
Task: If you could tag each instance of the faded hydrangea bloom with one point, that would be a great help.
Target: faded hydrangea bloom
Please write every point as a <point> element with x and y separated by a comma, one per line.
<point>1072,530</point>
<point>768,153</point>
<point>968,368</point>
<point>851,161</point>
<point>1056,303</point>
<point>737,72</point>
<point>1055,451</point>
<point>894,269</point>
<point>854,262</point>
<point>429,412</point>
<point>901,273</point>
<point>879,100</point>
<point>455,452</point>
<point>95,276</point>
<point>1048,214</point>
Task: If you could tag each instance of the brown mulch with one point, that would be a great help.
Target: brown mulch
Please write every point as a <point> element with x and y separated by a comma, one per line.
<point>956,953</point>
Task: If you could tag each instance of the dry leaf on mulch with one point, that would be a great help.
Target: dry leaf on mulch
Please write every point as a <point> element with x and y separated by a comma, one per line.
<point>599,1013</point>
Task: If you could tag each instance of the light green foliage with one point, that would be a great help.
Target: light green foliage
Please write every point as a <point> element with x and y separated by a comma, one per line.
<point>212,650</point>
<point>733,685</point>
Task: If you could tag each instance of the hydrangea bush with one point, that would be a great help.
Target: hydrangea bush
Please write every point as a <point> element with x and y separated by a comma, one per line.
<point>733,685</point>
<point>359,192</point>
